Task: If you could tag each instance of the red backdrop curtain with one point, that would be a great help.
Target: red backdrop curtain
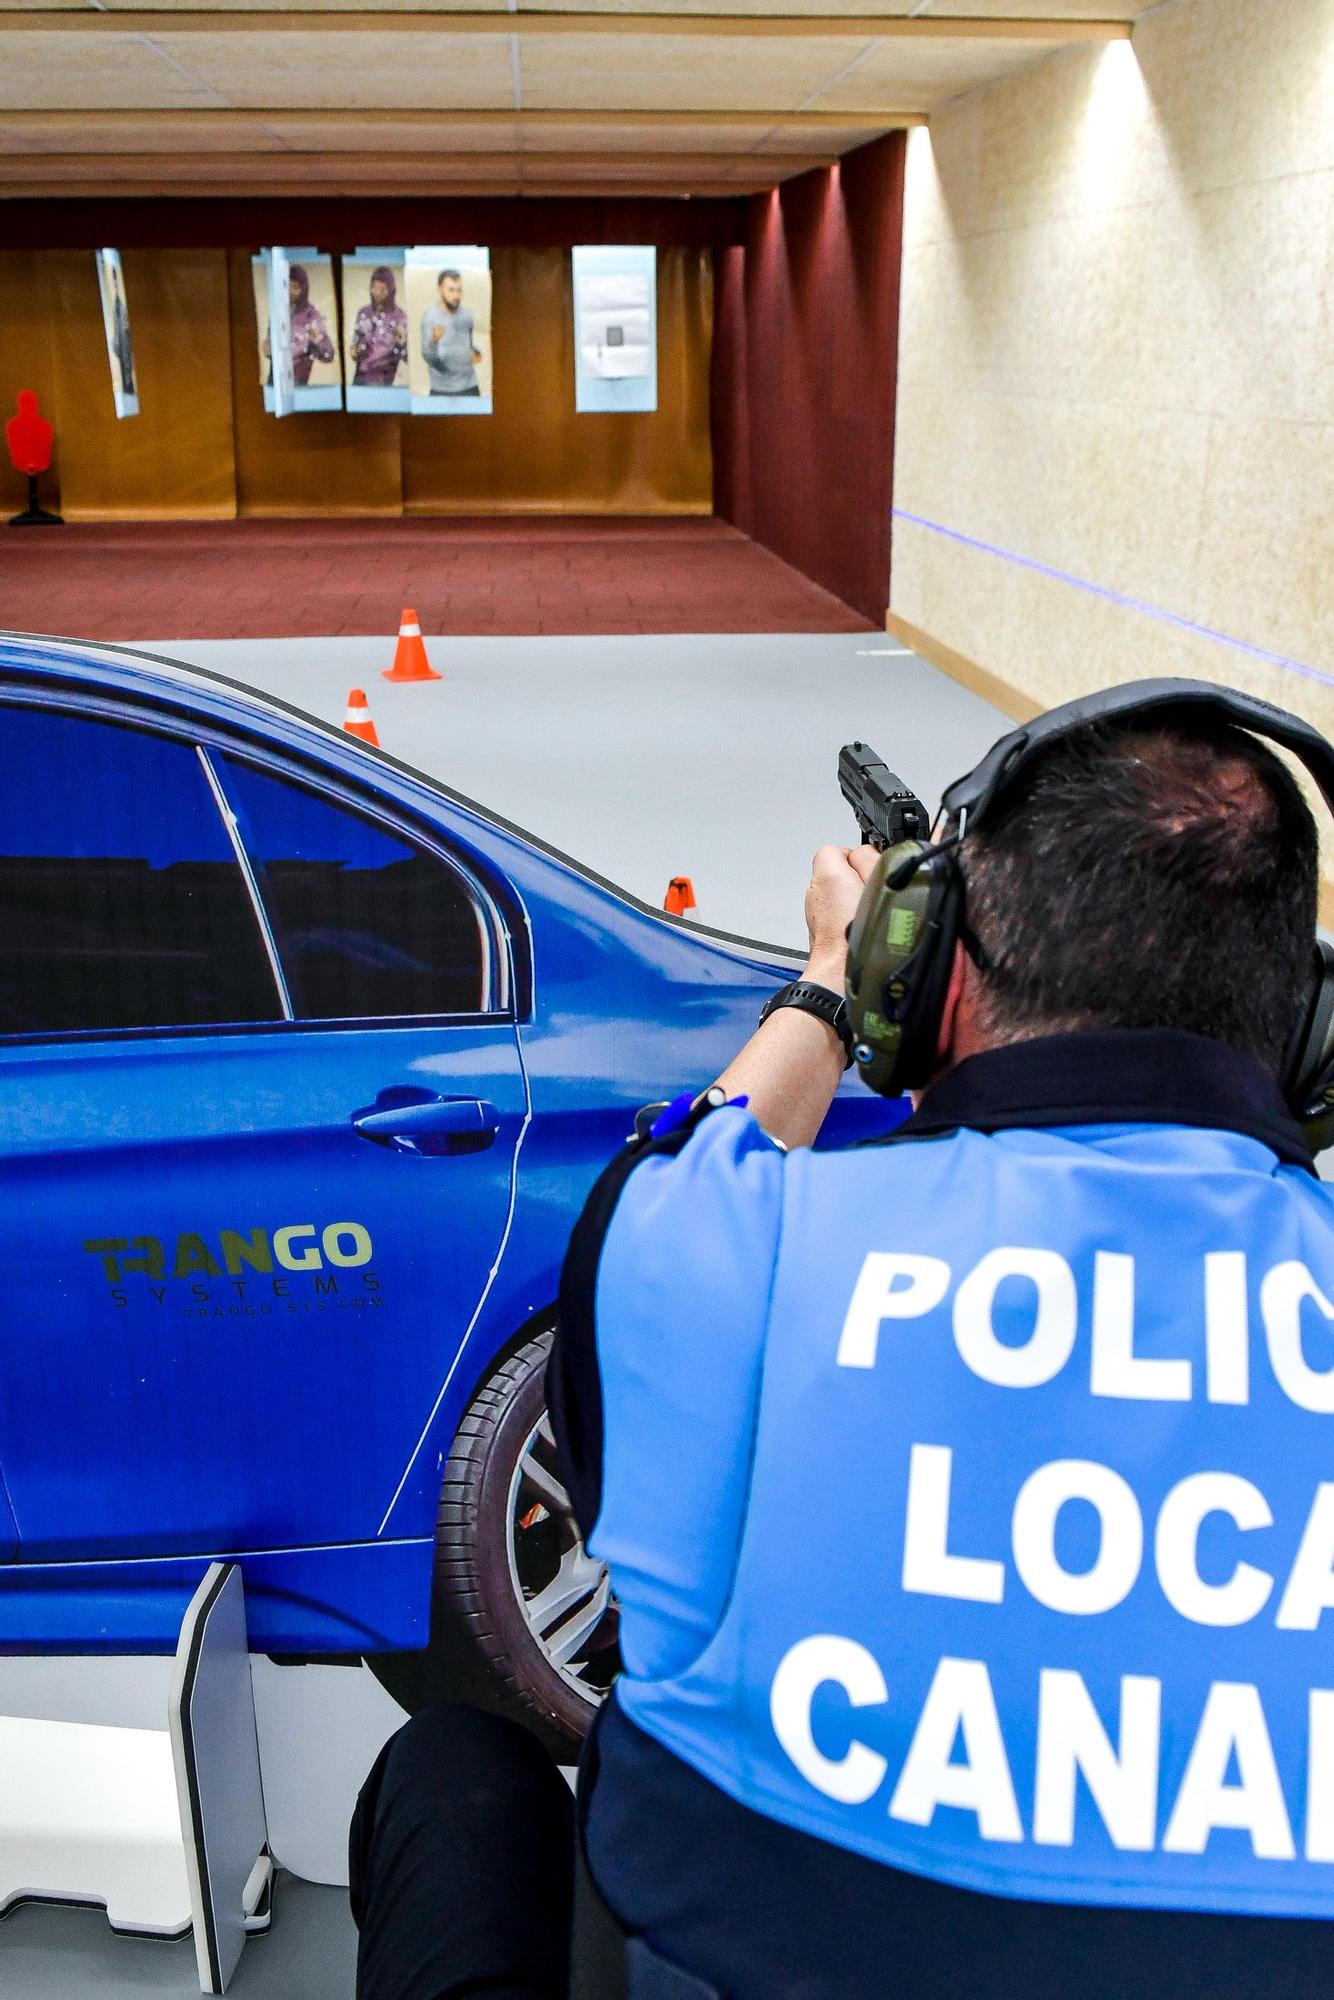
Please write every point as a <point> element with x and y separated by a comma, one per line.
<point>805,359</point>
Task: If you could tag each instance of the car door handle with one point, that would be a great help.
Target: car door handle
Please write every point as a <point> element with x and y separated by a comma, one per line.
<point>440,1125</point>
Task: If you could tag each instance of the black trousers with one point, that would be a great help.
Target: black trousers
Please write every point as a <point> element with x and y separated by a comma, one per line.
<point>463,1872</point>
<point>461,1864</point>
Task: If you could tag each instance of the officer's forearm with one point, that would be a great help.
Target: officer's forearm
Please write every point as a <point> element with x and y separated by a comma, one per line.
<point>791,1067</point>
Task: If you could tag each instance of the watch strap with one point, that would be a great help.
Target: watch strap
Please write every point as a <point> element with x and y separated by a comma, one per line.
<point>826,1005</point>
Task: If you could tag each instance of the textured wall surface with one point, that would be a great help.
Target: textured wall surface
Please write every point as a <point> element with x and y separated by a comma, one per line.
<point>804,364</point>
<point>1116,390</point>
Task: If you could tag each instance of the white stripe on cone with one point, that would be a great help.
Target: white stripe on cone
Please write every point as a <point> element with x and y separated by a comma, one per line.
<point>357,715</point>
<point>409,631</point>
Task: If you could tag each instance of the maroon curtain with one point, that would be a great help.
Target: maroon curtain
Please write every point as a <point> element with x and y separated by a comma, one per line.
<point>805,360</point>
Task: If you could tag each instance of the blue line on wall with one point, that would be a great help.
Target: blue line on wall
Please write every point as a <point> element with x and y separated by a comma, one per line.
<point>1119,597</point>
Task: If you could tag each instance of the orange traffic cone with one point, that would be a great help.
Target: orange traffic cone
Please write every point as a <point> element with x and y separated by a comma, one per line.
<point>410,661</point>
<point>680,896</point>
<point>357,721</point>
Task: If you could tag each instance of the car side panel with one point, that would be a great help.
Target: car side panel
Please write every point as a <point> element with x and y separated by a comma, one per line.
<point>627,1010</point>
<point>626,1006</point>
<point>365,1598</point>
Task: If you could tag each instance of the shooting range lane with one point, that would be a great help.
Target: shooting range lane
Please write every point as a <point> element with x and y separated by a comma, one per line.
<point>713,756</point>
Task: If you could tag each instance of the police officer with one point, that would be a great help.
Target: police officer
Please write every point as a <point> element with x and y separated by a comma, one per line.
<point>964,1494</point>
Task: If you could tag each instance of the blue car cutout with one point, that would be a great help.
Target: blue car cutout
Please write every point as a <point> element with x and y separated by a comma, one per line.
<point>307,1066</point>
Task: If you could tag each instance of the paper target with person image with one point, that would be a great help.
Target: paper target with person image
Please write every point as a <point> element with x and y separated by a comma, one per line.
<point>449,322</point>
<point>317,375</point>
<point>376,333</point>
<point>116,323</point>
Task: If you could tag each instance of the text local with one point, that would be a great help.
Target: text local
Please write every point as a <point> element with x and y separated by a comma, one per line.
<point>1121,1767</point>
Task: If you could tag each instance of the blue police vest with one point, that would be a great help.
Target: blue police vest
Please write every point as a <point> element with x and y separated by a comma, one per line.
<point>1035,1543</point>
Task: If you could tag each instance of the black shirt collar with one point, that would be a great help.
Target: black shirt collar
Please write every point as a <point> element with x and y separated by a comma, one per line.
<point>1116,1076</point>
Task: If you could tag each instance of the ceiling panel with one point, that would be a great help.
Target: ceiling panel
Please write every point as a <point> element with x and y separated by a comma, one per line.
<point>409,104</point>
<point>751,9</point>
<point>60,72</point>
<point>924,74</point>
<point>1048,10</point>
<point>284,6</point>
<point>1036,10</point>
<point>327,70</point>
<point>88,134</point>
<point>671,72</point>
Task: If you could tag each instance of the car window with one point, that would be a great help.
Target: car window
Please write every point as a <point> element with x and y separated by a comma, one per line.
<point>122,903</point>
<point>366,922</point>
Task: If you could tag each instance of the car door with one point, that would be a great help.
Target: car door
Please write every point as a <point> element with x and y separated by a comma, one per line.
<point>260,1101</point>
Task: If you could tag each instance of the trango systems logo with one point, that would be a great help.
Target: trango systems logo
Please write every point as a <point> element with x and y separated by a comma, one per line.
<point>250,1263</point>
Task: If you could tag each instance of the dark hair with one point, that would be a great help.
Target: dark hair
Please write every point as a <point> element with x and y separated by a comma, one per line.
<point>1144,875</point>
<point>447,274</point>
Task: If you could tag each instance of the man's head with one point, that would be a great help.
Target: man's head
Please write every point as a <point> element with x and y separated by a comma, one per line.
<point>1140,875</point>
<point>382,287</point>
<point>450,286</point>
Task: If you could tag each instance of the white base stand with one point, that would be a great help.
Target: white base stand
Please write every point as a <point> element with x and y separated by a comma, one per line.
<point>90,1815</point>
<point>165,1828</point>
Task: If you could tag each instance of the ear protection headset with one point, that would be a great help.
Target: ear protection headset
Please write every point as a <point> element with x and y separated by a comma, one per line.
<point>901,942</point>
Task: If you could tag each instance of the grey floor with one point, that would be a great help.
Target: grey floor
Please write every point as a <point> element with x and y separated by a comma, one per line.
<point>309,1953</point>
<point>644,758</point>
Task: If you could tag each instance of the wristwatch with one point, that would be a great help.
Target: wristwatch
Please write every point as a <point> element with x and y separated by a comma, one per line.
<point>831,1008</point>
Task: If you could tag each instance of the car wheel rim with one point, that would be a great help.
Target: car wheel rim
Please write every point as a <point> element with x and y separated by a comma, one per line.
<point>563,1592</point>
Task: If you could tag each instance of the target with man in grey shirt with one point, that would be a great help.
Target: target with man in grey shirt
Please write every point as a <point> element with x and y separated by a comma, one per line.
<point>449,302</point>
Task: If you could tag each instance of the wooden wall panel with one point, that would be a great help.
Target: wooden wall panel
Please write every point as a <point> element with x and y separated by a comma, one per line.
<point>203,446</point>
<point>175,458</point>
<point>26,362</point>
<point>535,454</point>
<point>314,461</point>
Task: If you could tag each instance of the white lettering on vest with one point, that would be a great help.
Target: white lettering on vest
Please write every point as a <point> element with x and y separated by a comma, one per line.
<point>1310,1588</point>
<point>1227,1328</point>
<point>1176,1549</point>
<point>1048,1346</point>
<point>808,1665</point>
<point>1120,1543</point>
<point>1072,1743</point>
<point>878,1296</point>
<point>1233,1723</point>
<point>1282,1293</point>
<point>1122,1776</point>
<point>959,1702</point>
<point>1320,1776</point>
<point>1116,1368</point>
<point>928,1566</point>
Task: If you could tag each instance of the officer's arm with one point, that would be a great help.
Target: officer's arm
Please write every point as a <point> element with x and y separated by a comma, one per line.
<point>790,1068</point>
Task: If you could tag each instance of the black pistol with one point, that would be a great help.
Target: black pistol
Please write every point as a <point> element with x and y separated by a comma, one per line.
<point>887,812</point>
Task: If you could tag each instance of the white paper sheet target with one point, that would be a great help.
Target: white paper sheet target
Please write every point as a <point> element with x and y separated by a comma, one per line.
<point>615,321</point>
<point>614,341</point>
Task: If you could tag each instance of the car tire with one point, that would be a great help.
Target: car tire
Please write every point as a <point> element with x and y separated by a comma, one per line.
<point>522,1620</point>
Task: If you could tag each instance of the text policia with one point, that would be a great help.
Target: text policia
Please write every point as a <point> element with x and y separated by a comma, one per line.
<point>1231,1776</point>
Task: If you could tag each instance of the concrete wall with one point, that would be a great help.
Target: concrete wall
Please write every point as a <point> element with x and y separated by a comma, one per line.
<point>1116,387</point>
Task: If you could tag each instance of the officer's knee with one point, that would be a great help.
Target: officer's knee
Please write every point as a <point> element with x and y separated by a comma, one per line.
<point>470,1753</point>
